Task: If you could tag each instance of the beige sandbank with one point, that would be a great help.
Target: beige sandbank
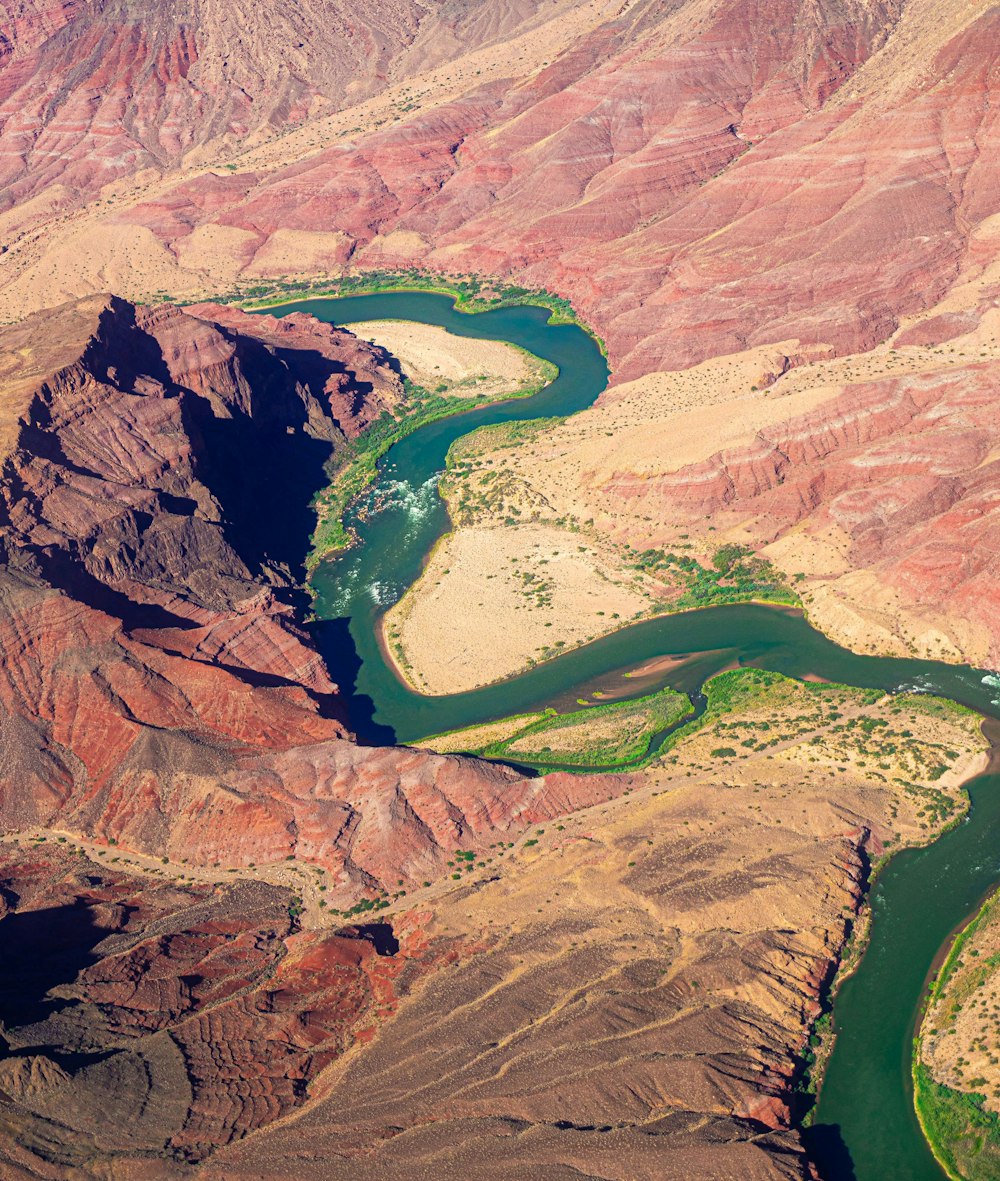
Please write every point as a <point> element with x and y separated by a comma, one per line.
<point>445,363</point>
<point>493,599</point>
<point>597,473</point>
<point>487,574</point>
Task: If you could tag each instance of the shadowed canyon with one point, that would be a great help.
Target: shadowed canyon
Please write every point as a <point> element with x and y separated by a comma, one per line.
<point>263,918</point>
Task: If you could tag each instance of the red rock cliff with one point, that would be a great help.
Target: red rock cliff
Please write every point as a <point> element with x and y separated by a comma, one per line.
<point>157,688</point>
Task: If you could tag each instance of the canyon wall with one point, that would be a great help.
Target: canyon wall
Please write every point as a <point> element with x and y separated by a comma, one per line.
<point>685,173</point>
<point>178,767</point>
<point>158,687</point>
<point>701,179</point>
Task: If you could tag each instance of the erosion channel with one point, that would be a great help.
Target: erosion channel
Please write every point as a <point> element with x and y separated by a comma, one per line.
<point>864,1128</point>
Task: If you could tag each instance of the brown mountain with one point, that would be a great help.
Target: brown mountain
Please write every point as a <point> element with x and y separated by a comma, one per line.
<point>161,703</point>
<point>629,992</point>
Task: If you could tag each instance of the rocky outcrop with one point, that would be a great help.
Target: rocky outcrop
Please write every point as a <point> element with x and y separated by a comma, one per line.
<point>904,470</point>
<point>162,702</point>
<point>158,689</point>
<point>152,1019</point>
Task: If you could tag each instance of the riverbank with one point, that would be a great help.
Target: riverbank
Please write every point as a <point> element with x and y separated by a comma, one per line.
<point>437,360</point>
<point>956,1053</point>
<point>685,463</point>
<point>790,814</point>
<point>472,293</point>
<point>823,1035</point>
<point>465,375</point>
<point>530,584</point>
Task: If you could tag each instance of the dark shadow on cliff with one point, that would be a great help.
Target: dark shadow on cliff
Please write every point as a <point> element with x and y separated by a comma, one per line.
<point>266,463</point>
<point>121,352</point>
<point>825,1146</point>
<point>39,950</point>
<point>63,570</point>
<point>265,481</point>
<point>335,644</point>
<point>380,935</point>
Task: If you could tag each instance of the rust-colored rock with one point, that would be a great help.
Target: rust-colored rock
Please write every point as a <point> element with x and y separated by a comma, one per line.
<point>157,689</point>
<point>156,1019</point>
<point>160,702</point>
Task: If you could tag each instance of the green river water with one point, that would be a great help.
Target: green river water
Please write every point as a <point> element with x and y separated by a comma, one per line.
<point>865,1128</point>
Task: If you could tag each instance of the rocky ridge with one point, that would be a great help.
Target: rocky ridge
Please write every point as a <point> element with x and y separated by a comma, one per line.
<point>162,704</point>
<point>149,1022</point>
<point>655,168</point>
<point>158,688</point>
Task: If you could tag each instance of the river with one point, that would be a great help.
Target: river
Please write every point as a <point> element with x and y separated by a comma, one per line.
<point>865,1127</point>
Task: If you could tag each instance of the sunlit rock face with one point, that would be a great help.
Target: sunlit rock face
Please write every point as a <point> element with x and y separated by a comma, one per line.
<point>699,178</point>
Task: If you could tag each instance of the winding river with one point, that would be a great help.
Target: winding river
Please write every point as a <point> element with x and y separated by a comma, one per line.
<point>865,1128</point>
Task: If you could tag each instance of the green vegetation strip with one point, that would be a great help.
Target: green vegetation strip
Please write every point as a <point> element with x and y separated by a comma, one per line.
<point>472,293</point>
<point>355,466</point>
<point>964,1138</point>
<point>560,740</point>
<point>735,576</point>
<point>596,737</point>
<point>621,734</point>
<point>962,1134</point>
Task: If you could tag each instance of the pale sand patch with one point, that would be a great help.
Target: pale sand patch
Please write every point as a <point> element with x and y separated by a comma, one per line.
<point>48,203</point>
<point>299,252</point>
<point>93,258</point>
<point>218,250</point>
<point>690,435</point>
<point>471,618</point>
<point>431,357</point>
<point>478,737</point>
<point>662,421</point>
<point>860,612</point>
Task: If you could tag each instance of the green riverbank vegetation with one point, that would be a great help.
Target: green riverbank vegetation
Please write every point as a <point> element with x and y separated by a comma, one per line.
<point>594,737</point>
<point>734,575</point>
<point>747,711</point>
<point>481,489</point>
<point>956,1055</point>
<point>355,465</point>
<point>472,293</point>
<point>962,1134</point>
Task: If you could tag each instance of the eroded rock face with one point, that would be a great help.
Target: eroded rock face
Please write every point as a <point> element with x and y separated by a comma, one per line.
<point>167,82</point>
<point>903,470</point>
<point>145,1018</point>
<point>698,177</point>
<point>153,86</point>
<point>157,688</point>
<point>683,172</point>
<point>161,702</point>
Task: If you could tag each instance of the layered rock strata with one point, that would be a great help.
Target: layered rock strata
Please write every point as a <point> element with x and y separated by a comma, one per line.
<point>157,686</point>
<point>150,1022</point>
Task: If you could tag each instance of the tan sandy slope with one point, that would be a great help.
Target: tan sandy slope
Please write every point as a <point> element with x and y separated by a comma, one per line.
<point>641,973</point>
